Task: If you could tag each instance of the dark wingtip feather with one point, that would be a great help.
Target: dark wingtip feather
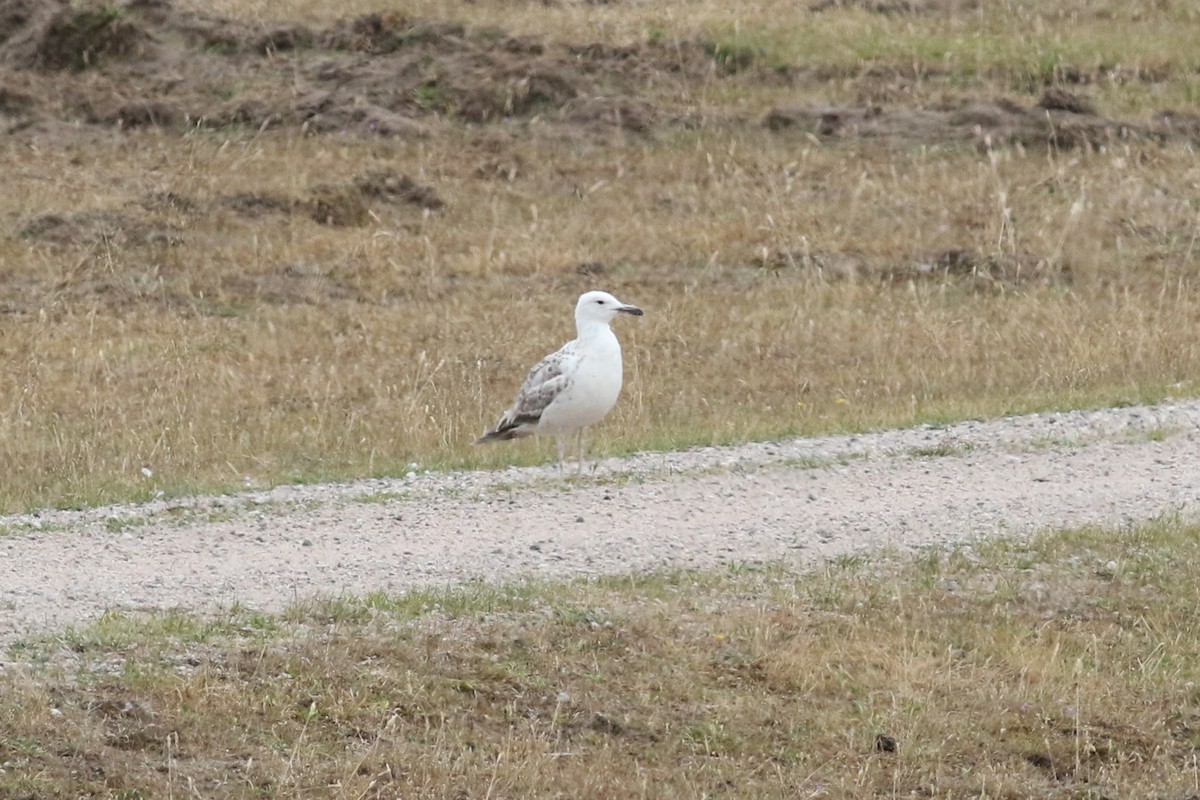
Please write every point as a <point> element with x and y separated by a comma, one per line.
<point>498,435</point>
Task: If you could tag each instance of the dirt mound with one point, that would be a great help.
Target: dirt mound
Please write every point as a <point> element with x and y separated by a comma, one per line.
<point>20,20</point>
<point>383,74</point>
<point>1059,120</point>
<point>894,7</point>
<point>254,205</point>
<point>154,220</point>
<point>398,188</point>
<point>16,15</point>
<point>164,219</point>
<point>380,34</point>
<point>989,271</point>
<point>152,64</point>
<point>54,35</point>
<point>290,284</point>
<point>1178,124</point>
<point>99,226</point>
<point>968,267</point>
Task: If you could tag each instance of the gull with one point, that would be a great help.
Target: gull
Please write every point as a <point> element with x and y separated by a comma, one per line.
<point>575,387</point>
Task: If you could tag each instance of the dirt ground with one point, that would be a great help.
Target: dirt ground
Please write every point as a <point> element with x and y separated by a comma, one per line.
<point>68,73</point>
<point>72,75</point>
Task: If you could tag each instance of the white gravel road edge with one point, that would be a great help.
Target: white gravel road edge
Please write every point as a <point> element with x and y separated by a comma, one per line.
<point>796,501</point>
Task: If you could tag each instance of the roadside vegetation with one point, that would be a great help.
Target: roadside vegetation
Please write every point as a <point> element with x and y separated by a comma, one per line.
<point>1060,667</point>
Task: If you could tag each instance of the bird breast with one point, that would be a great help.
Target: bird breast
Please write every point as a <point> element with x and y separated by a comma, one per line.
<point>594,387</point>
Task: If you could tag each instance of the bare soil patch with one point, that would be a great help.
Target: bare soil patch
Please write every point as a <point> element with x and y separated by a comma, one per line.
<point>968,267</point>
<point>77,71</point>
<point>149,64</point>
<point>899,7</point>
<point>167,219</point>
<point>1058,120</point>
<point>101,73</point>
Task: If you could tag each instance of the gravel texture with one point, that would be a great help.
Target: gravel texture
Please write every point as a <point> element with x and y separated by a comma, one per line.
<point>796,501</point>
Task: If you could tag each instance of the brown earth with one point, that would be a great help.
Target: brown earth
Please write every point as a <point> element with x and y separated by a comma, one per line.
<point>73,74</point>
<point>68,72</point>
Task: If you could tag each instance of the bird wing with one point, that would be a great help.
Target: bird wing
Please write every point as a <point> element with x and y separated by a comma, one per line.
<point>548,378</point>
<point>545,382</point>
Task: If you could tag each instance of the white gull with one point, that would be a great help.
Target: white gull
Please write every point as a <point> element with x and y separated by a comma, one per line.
<point>575,387</point>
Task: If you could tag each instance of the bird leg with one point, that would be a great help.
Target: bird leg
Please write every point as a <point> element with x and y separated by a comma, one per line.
<point>579,442</point>
<point>562,449</point>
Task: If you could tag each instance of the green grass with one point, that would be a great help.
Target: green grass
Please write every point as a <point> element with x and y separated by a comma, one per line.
<point>1062,666</point>
<point>1023,48</point>
<point>18,528</point>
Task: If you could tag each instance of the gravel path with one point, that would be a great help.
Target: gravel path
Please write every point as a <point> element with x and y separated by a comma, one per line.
<point>798,501</point>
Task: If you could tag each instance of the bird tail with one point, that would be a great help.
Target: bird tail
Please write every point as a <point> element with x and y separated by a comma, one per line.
<point>501,434</point>
<point>511,426</point>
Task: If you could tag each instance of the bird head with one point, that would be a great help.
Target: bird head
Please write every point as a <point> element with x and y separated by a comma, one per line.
<point>601,307</point>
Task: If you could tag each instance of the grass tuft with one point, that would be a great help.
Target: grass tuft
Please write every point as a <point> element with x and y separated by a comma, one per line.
<point>1059,666</point>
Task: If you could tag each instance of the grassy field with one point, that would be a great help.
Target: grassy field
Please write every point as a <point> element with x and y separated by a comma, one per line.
<point>181,316</point>
<point>206,284</point>
<point>1062,667</point>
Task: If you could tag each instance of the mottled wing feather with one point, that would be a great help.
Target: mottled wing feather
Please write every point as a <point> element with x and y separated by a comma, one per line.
<point>547,378</point>
<point>551,367</point>
<point>529,405</point>
<point>545,381</point>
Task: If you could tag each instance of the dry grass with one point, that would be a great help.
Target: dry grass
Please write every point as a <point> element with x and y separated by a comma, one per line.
<point>1060,668</point>
<point>1126,49</point>
<point>787,279</point>
<point>300,351</point>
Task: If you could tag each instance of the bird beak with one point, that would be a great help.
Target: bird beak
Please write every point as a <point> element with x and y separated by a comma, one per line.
<point>634,310</point>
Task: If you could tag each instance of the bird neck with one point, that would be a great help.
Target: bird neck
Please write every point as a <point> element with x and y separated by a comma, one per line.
<point>591,328</point>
